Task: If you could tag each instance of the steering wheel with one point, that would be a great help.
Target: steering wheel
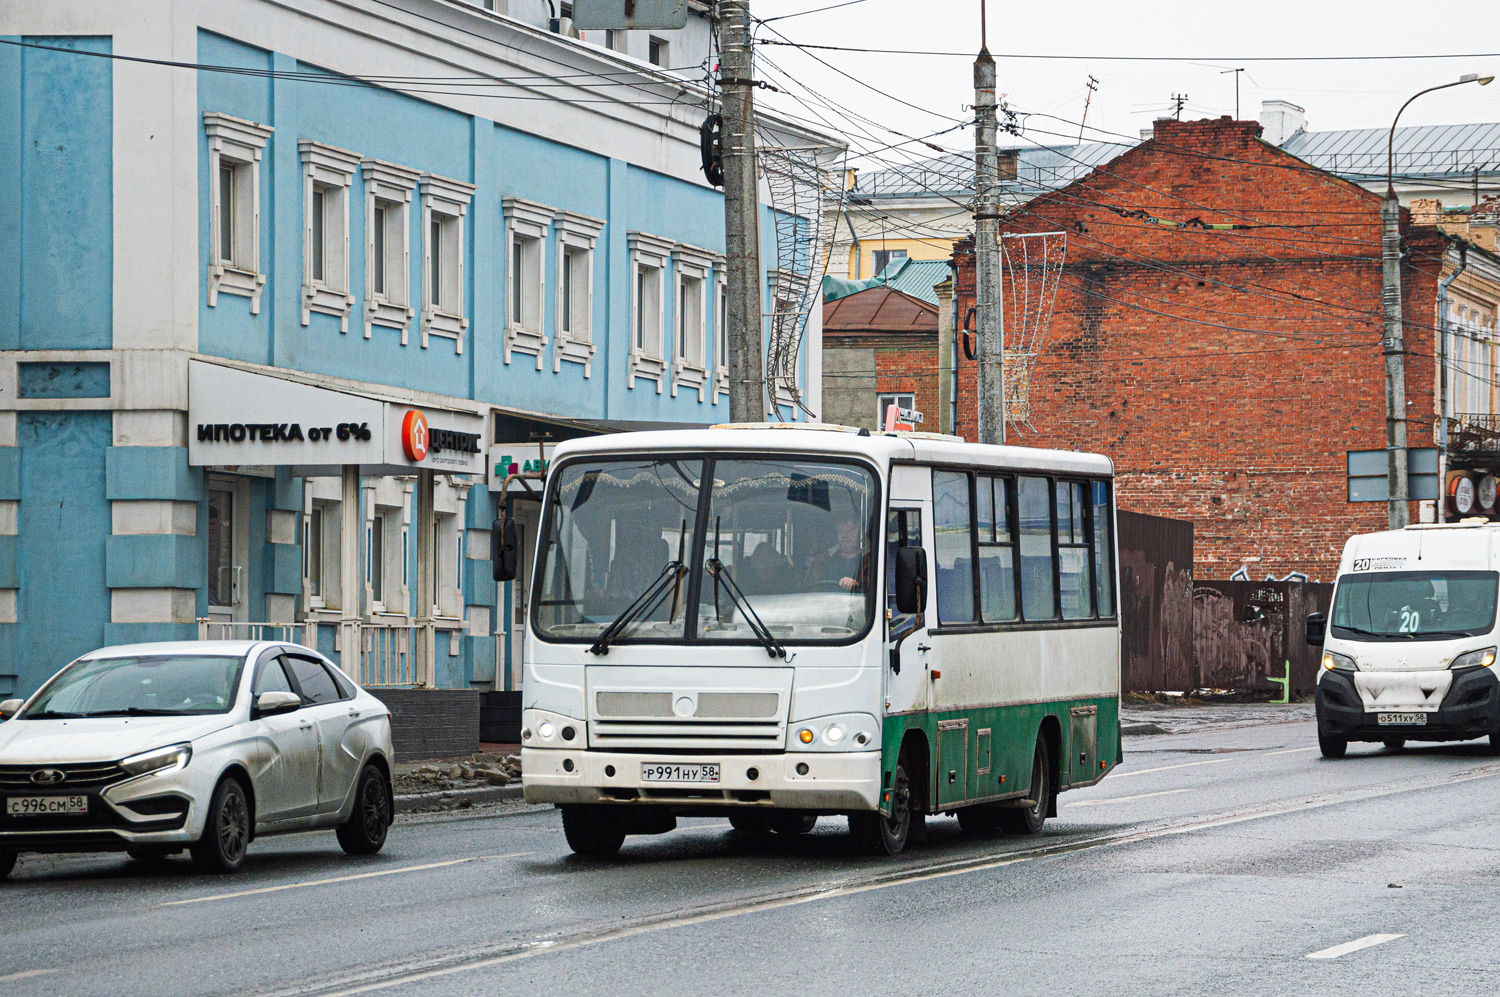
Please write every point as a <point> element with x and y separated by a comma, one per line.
<point>827,586</point>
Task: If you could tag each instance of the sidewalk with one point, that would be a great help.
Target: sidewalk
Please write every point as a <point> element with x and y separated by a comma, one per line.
<point>1138,719</point>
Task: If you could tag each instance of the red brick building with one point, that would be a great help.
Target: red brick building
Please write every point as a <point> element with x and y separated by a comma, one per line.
<point>1217,331</point>
<point>880,346</point>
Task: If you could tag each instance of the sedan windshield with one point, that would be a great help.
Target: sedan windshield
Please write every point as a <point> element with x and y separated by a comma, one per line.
<point>154,685</point>
<point>1413,605</point>
<point>785,553</point>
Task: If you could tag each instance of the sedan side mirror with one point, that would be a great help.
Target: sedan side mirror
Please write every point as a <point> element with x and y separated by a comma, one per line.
<point>269,704</point>
<point>504,550</point>
<point>1317,628</point>
<point>10,707</point>
<point>911,580</point>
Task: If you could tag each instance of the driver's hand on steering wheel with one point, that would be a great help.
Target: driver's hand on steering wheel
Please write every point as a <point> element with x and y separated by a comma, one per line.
<point>848,584</point>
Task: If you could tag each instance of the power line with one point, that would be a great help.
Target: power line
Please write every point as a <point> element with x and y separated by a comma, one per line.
<point>815,10</point>
<point>1134,58</point>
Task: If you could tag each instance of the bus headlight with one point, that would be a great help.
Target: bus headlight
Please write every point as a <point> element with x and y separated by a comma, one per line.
<point>837,732</point>
<point>834,734</point>
<point>1483,658</point>
<point>1334,660</point>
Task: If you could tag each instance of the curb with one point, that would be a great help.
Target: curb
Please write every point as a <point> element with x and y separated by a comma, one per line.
<point>447,798</point>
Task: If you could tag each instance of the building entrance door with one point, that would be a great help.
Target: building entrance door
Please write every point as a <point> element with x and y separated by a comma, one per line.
<point>526,515</point>
<point>228,549</point>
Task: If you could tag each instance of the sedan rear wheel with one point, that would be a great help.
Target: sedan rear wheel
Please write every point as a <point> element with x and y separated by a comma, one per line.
<point>365,830</point>
<point>226,833</point>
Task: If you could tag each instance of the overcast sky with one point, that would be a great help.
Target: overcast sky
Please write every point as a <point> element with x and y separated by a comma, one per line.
<point>1216,36</point>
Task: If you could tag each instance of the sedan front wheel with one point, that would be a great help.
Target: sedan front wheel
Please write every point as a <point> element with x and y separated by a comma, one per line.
<point>226,833</point>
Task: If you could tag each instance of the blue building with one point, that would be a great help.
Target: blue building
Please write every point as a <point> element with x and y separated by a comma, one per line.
<point>282,283</point>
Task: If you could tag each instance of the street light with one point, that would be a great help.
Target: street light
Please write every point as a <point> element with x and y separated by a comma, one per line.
<point>1397,514</point>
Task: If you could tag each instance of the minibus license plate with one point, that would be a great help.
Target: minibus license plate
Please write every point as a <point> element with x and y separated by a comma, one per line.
<point>1402,718</point>
<point>660,772</point>
<point>46,806</point>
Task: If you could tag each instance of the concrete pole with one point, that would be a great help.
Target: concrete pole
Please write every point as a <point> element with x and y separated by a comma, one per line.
<point>1397,513</point>
<point>990,351</point>
<point>426,579</point>
<point>351,578</point>
<point>742,290</point>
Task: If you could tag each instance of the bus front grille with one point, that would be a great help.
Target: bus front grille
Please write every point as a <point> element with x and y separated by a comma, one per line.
<point>688,733</point>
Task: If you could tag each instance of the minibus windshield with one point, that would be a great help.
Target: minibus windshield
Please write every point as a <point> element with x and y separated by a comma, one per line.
<point>785,552</point>
<point>1415,605</point>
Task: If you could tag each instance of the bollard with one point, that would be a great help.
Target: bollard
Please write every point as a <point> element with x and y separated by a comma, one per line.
<point>1286,684</point>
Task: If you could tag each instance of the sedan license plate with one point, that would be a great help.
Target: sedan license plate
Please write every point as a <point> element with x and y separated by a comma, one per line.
<point>1402,718</point>
<point>664,772</point>
<point>46,806</point>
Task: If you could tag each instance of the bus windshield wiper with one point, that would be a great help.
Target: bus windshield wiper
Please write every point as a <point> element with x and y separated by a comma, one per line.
<point>1442,633</point>
<point>1366,633</point>
<point>670,576</point>
<point>763,633</point>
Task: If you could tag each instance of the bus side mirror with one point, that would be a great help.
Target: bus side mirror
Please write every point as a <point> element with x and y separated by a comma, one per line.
<point>1317,626</point>
<point>911,580</point>
<point>503,549</point>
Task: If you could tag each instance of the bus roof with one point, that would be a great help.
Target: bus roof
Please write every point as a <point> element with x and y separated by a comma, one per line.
<point>820,439</point>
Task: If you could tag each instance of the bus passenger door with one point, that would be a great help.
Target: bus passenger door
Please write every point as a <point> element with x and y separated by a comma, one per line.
<point>907,642</point>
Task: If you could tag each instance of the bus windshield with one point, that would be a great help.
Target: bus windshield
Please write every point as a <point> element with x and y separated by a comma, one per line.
<point>786,548</point>
<point>1408,605</point>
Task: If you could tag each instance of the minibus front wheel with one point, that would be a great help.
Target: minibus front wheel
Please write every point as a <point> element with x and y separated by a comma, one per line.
<point>1332,747</point>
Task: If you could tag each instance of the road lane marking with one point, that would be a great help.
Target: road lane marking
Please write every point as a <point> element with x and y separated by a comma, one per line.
<point>376,978</point>
<point>1288,751</point>
<point>1123,799</point>
<point>337,879</point>
<point>1164,768</point>
<point>1354,946</point>
<point>28,975</point>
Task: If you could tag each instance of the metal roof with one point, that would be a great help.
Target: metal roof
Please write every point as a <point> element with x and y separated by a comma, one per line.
<point>1420,150</point>
<point>1357,154</point>
<point>917,277</point>
<point>879,309</point>
<point>1038,170</point>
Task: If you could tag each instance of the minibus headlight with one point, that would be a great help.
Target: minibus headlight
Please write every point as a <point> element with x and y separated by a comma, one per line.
<point>1483,658</point>
<point>1334,660</point>
<point>545,729</point>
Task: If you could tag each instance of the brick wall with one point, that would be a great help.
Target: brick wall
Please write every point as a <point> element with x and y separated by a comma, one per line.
<point>1226,370</point>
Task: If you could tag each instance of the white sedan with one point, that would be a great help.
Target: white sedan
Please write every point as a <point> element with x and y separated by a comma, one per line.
<point>203,745</point>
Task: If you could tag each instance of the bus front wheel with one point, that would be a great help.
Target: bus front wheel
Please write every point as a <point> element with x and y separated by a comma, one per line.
<point>1029,820</point>
<point>592,831</point>
<point>875,833</point>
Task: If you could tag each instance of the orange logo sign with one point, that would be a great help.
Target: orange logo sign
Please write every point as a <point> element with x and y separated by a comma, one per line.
<point>414,435</point>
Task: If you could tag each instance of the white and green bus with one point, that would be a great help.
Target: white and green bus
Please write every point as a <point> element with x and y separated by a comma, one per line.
<point>778,624</point>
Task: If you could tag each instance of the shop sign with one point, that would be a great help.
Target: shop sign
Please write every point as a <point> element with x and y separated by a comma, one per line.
<point>443,441</point>
<point>518,458</point>
<point>237,417</point>
<point>901,420</point>
<point>1485,492</point>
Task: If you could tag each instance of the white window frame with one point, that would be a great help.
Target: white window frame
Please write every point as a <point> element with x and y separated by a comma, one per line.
<point>330,552</point>
<point>393,308</point>
<point>647,359</point>
<point>576,234</point>
<point>721,330</point>
<point>883,399</point>
<point>689,363</point>
<point>330,169</point>
<point>526,222</point>
<point>446,201</point>
<point>240,143</point>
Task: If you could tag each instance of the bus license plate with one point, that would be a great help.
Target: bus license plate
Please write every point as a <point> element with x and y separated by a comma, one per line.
<point>661,772</point>
<point>1402,718</point>
<point>46,806</point>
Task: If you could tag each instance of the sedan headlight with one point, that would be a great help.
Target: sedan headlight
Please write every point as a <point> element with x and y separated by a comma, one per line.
<point>1334,660</point>
<point>1482,658</point>
<point>172,757</point>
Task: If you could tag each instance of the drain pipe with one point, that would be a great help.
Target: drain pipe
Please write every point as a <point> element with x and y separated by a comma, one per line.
<point>1442,406</point>
<point>855,239</point>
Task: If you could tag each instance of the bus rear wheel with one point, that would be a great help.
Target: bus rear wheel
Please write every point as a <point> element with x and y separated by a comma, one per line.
<point>592,831</point>
<point>1029,820</point>
<point>876,834</point>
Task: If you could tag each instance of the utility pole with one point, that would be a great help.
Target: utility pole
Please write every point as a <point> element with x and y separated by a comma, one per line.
<point>1178,99</point>
<point>1237,73</point>
<point>742,304</point>
<point>1396,514</point>
<point>1091,85</point>
<point>990,358</point>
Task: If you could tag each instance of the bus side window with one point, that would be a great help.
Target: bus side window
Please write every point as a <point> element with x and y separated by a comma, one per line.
<point>997,552</point>
<point>1104,564</point>
<point>952,532</point>
<point>1038,569</point>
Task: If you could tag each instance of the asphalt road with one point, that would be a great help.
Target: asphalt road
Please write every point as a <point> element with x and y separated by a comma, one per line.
<point>1217,860</point>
